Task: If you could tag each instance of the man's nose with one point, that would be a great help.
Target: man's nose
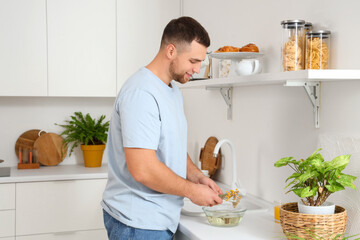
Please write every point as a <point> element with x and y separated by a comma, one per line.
<point>197,67</point>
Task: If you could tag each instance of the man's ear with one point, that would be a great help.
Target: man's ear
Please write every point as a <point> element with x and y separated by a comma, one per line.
<point>171,51</point>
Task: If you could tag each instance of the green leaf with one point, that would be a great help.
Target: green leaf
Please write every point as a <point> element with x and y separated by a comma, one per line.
<point>334,186</point>
<point>298,191</point>
<point>318,164</point>
<point>284,161</point>
<point>307,175</point>
<point>306,192</point>
<point>294,175</point>
<point>315,155</point>
<point>338,162</point>
<point>292,182</point>
<point>346,180</point>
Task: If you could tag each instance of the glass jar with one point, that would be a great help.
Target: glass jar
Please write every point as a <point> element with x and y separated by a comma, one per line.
<point>308,27</point>
<point>318,49</point>
<point>292,48</point>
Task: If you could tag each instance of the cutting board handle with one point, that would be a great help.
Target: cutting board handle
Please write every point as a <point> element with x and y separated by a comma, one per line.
<point>201,152</point>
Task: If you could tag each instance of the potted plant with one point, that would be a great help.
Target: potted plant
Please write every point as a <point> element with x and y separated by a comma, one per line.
<point>90,133</point>
<point>314,180</point>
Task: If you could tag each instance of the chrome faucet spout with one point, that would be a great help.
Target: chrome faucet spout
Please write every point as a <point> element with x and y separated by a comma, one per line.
<point>216,151</point>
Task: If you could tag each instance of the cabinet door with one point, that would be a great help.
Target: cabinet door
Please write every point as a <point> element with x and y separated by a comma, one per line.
<point>82,235</point>
<point>59,206</point>
<point>23,61</point>
<point>82,47</point>
<point>7,223</point>
<point>7,196</point>
<point>140,24</point>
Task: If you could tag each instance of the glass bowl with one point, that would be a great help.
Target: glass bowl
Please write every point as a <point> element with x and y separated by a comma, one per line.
<point>224,215</point>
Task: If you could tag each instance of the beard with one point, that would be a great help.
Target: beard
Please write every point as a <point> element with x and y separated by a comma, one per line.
<point>178,77</point>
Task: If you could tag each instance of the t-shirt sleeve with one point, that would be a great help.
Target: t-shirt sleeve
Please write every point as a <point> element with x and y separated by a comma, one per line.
<point>140,120</point>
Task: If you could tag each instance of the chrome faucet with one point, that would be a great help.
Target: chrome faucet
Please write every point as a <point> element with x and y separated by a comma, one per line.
<point>235,182</point>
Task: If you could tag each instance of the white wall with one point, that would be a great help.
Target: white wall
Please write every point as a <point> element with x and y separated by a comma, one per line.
<point>270,122</point>
<point>19,114</point>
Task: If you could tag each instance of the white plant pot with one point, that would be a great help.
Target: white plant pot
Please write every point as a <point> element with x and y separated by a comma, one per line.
<point>326,208</point>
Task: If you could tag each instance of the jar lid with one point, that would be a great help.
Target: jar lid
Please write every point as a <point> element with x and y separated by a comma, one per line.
<point>319,33</point>
<point>292,23</point>
<point>308,25</point>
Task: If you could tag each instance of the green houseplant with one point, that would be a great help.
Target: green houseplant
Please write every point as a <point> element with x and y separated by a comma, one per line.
<point>315,179</point>
<point>90,133</point>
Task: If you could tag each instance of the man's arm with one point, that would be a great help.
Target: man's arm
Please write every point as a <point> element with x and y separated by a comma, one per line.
<point>195,175</point>
<point>146,168</point>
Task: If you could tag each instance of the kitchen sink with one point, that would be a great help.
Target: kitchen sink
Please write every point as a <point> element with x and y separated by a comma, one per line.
<point>250,202</point>
<point>5,172</point>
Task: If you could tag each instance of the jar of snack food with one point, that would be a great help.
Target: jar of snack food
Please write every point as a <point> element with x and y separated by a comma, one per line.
<point>292,49</point>
<point>308,27</point>
<point>317,49</point>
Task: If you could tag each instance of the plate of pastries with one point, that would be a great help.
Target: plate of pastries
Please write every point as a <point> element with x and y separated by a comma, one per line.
<point>249,51</point>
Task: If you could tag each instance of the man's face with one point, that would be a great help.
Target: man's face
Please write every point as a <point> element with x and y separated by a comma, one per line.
<point>187,62</point>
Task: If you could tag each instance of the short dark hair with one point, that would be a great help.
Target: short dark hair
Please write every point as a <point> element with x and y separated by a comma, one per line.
<point>184,30</point>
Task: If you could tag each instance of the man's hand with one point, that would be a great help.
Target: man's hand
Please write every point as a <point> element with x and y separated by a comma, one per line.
<point>203,195</point>
<point>210,183</point>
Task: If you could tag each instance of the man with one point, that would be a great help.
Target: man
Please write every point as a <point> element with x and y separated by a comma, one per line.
<point>149,169</point>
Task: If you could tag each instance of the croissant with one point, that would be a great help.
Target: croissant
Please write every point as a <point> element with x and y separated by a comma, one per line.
<point>228,49</point>
<point>249,48</point>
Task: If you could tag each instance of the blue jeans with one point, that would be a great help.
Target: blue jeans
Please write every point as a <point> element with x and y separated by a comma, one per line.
<point>116,230</point>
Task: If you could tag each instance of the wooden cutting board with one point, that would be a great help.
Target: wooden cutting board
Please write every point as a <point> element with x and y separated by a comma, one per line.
<point>50,149</point>
<point>208,161</point>
<point>27,140</point>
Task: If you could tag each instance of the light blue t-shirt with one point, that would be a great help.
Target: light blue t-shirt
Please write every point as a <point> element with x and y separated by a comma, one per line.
<point>147,114</point>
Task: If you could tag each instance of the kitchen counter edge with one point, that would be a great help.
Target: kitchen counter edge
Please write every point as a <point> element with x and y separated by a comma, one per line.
<point>55,173</point>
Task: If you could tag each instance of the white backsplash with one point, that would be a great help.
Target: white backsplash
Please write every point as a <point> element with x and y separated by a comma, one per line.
<point>336,145</point>
<point>19,114</point>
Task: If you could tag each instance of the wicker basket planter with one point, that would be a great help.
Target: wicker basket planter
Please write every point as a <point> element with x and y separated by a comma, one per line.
<point>307,226</point>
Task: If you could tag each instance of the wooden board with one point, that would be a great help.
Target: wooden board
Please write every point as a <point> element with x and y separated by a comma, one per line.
<point>50,149</point>
<point>208,161</point>
<point>27,140</point>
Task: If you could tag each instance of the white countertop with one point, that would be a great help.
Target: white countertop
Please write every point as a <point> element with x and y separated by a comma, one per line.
<point>254,225</point>
<point>55,173</point>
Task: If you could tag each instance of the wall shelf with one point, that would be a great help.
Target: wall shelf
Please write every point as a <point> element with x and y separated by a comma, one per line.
<point>310,80</point>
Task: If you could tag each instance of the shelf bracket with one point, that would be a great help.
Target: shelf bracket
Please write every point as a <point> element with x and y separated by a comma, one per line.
<point>313,92</point>
<point>226,93</point>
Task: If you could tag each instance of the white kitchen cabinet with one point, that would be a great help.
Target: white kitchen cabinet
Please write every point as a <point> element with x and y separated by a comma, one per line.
<point>82,47</point>
<point>7,223</point>
<point>81,235</point>
<point>23,56</point>
<point>7,210</point>
<point>59,207</point>
<point>7,199</point>
<point>140,24</point>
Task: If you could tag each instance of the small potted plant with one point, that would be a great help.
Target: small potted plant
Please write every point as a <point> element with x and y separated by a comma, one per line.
<point>90,133</point>
<point>314,180</point>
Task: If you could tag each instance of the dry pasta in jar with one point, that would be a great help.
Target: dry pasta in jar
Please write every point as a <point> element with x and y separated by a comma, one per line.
<point>292,50</point>
<point>308,27</point>
<point>317,49</point>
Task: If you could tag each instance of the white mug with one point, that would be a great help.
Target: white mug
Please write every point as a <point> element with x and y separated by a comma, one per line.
<point>245,67</point>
